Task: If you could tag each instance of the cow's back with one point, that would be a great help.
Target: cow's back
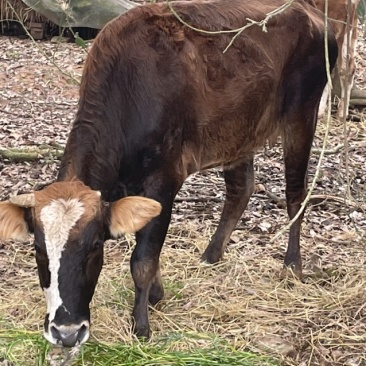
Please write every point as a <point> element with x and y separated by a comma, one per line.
<point>157,89</point>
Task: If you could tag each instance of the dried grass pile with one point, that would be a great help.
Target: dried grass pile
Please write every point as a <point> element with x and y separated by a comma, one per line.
<point>241,301</point>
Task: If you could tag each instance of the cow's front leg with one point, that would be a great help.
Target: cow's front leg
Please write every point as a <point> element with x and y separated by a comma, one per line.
<point>143,269</point>
<point>145,262</point>
<point>157,290</point>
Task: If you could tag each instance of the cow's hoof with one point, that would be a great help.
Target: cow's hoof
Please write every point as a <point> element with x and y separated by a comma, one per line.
<point>142,333</point>
<point>291,271</point>
<point>156,295</point>
<point>211,257</point>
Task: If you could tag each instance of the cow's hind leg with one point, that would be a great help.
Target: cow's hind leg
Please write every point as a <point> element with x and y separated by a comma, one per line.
<point>239,183</point>
<point>297,141</point>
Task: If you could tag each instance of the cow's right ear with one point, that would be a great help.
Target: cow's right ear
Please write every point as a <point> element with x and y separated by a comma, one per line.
<point>13,222</point>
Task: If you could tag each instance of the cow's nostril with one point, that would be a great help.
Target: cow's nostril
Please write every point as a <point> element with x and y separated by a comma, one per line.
<point>82,332</point>
<point>69,336</point>
<point>55,333</point>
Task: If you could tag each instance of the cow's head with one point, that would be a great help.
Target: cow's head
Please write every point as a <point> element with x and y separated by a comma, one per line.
<point>70,223</point>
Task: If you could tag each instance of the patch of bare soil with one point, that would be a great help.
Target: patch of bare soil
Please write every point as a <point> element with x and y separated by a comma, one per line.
<point>319,321</point>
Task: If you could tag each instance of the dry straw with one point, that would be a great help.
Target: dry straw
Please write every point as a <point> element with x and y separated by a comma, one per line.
<point>241,301</point>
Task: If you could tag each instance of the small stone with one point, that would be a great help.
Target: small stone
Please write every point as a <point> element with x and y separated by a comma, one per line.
<point>275,344</point>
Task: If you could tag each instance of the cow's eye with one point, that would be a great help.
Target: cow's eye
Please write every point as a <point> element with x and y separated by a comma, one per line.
<point>97,245</point>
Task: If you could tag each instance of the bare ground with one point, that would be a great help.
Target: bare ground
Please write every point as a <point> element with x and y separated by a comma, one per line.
<point>319,321</point>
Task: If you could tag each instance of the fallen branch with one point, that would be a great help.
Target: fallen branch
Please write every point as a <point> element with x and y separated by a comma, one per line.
<point>345,201</point>
<point>357,102</point>
<point>198,199</point>
<point>319,198</point>
<point>358,93</point>
<point>32,154</point>
<point>358,97</point>
<point>336,149</point>
<point>281,202</point>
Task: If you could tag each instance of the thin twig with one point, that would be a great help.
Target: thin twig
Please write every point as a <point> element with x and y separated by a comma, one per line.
<point>238,31</point>
<point>345,103</point>
<point>262,23</point>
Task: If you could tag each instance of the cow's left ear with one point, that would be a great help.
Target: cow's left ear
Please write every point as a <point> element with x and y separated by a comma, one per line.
<point>130,214</point>
<point>13,223</point>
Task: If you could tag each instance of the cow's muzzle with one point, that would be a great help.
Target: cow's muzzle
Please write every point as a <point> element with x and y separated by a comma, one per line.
<point>68,335</point>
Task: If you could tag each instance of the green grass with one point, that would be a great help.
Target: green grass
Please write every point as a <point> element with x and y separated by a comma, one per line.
<point>23,348</point>
<point>29,348</point>
<point>174,289</point>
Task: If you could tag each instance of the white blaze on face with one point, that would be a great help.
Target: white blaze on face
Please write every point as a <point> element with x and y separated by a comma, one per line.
<point>58,218</point>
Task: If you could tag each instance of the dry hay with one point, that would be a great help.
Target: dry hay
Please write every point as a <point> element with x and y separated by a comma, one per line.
<point>320,321</point>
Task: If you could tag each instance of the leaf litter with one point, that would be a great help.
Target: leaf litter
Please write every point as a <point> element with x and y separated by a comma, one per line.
<point>243,300</point>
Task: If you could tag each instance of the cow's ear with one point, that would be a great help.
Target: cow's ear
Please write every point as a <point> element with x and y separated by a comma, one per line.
<point>13,222</point>
<point>130,214</point>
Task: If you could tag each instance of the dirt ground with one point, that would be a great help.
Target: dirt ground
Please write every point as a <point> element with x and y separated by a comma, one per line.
<point>319,321</point>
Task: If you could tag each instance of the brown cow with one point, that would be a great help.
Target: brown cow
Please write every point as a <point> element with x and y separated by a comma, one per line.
<point>338,12</point>
<point>158,102</point>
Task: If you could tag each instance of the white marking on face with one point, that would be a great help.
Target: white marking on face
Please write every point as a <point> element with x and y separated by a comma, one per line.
<point>66,311</point>
<point>58,218</point>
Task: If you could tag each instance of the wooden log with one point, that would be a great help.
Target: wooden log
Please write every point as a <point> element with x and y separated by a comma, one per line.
<point>31,154</point>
